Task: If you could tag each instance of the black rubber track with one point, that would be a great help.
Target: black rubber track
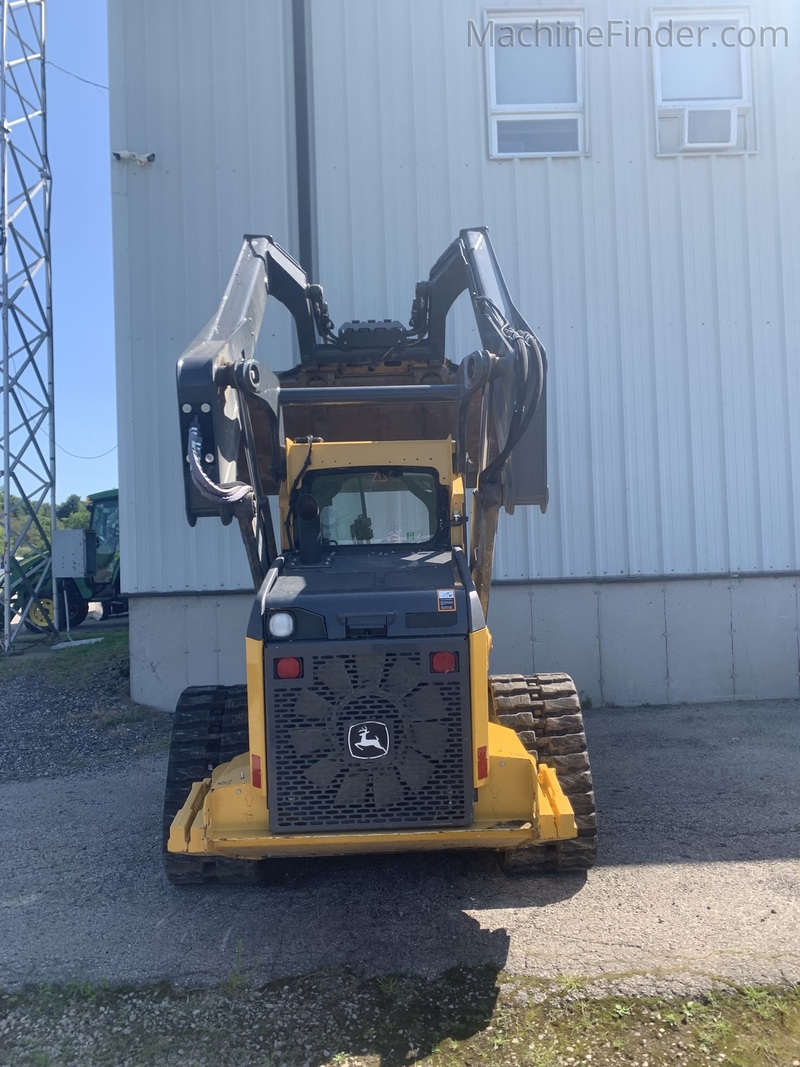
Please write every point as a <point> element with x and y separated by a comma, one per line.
<point>210,727</point>
<point>545,712</point>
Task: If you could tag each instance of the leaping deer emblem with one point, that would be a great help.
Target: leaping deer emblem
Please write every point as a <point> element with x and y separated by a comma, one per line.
<point>368,740</point>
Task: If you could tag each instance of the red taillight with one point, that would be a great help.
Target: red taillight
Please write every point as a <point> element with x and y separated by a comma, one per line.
<point>255,771</point>
<point>444,662</point>
<point>483,762</point>
<point>288,667</point>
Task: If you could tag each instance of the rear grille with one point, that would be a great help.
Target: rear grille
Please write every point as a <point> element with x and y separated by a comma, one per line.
<point>369,738</point>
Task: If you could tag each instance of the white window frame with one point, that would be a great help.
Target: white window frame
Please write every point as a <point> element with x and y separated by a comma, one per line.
<point>509,17</point>
<point>680,108</point>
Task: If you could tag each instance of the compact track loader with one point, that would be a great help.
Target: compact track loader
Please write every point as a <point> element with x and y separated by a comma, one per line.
<point>369,721</point>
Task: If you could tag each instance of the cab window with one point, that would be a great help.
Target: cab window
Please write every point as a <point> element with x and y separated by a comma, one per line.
<point>377,506</point>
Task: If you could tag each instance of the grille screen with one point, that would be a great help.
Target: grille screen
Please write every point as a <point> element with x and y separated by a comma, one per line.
<point>369,739</point>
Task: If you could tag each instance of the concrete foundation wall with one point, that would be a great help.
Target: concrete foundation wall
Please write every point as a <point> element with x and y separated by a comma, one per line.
<point>659,642</point>
<point>177,641</point>
<point>625,643</point>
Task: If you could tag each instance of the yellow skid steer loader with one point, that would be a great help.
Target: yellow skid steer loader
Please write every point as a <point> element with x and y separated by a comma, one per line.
<point>369,720</point>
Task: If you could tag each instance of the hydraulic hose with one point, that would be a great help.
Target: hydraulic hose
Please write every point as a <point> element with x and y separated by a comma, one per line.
<point>230,493</point>
<point>529,375</point>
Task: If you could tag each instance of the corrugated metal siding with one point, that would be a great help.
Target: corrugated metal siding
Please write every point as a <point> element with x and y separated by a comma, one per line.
<point>666,289</point>
<point>207,87</point>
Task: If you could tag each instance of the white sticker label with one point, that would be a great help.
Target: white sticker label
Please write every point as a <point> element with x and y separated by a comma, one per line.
<point>446,599</point>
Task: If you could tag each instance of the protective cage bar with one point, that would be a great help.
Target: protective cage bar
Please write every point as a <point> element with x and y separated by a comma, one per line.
<point>27,351</point>
<point>492,402</point>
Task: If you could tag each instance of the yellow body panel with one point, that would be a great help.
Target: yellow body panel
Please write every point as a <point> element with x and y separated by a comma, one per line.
<point>256,719</point>
<point>183,837</point>
<point>437,454</point>
<point>519,804</point>
<point>479,646</point>
<point>457,505</point>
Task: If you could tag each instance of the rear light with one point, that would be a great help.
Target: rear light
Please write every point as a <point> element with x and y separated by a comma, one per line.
<point>444,662</point>
<point>288,667</point>
<point>255,771</point>
<point>483,762</point>
<point>281,624</point>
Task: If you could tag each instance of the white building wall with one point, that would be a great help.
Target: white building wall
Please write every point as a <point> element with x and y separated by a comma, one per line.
<point>624,642</point>
<point>654,642</point>
<point>207,88</point>
<point>666,291</point>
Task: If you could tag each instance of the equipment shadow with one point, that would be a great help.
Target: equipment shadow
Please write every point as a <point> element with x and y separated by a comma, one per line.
<point>412,939</point>
<point>411,913</point>
<point>394,1020</point>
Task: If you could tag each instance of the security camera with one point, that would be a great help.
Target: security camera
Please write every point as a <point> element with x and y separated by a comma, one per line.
<point>134,157</point>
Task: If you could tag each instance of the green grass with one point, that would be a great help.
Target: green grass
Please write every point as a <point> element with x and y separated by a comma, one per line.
<point>68,666</point>
<point>238,980</point>
<point>468,1017</point>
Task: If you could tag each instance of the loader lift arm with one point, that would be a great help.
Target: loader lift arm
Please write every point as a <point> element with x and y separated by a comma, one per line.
<point>235,412</point>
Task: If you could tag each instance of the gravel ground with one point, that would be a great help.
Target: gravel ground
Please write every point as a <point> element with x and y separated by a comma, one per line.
<point>59,717</point>
<point>697,886</point>
<point>467,1017</point>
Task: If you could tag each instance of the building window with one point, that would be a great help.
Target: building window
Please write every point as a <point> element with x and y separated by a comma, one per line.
<point>534,71</point>
<point>702,81</point>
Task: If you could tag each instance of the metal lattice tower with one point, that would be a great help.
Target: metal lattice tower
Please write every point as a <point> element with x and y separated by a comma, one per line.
<point>28,459</point>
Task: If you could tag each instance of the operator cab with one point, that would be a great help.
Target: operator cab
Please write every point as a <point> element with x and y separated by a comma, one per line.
<point>375,506</point>
<point>370,549</point>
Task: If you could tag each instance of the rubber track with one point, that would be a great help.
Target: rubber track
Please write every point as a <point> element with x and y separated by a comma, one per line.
<point>545,712</point>
<point>210,727</point>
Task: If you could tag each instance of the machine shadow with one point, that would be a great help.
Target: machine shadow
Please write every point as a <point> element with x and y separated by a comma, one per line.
<point>465,879</point>
<point>418,967</point>
<point>696,783</point>
<point>403,914</point>
<point>402,1020</point>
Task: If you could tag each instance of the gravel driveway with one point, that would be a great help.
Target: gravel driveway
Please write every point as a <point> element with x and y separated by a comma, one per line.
<point>699,871</point>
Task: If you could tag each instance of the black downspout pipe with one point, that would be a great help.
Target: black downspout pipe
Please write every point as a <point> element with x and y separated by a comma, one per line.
<point>303,124</point>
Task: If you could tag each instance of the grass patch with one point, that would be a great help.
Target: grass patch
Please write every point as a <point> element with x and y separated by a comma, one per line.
<point>69,666</point>
<point>466,1018</point>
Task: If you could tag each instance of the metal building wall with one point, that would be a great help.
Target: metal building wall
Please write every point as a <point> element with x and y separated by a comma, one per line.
<point>207,87</point>
<point>665,289</point>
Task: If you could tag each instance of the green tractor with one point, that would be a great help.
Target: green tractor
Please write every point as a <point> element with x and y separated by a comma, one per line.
<point>100,583</point>
<point>103,584</point>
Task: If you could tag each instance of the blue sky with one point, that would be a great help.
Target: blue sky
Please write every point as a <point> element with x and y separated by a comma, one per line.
<point>83,297</point>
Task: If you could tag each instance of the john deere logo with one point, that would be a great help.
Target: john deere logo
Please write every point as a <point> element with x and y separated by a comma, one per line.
<point>368,740</point>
